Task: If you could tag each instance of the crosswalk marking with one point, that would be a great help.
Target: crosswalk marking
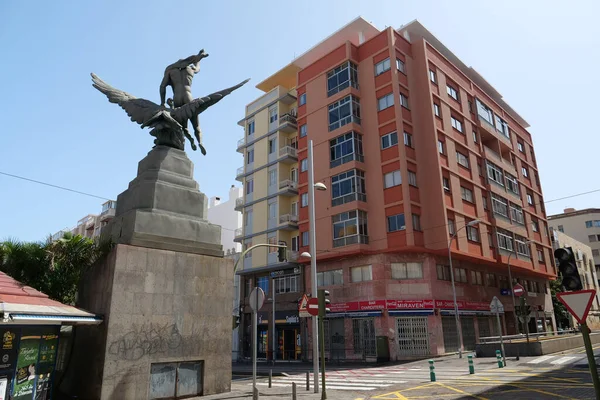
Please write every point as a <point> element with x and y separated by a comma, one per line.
<point>562,360</point>
<point>540,359</point>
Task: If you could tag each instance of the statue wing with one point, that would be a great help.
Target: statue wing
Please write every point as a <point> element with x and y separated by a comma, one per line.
<point>198,106</point>
<point>139,110</point>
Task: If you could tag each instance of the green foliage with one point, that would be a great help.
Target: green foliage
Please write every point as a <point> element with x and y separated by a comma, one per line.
<point>54,268</point>
<point>560,311</point>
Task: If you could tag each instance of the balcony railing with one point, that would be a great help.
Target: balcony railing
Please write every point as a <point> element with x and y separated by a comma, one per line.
<point>239,171</point>
<point>106,214</point>
<point>239,232</point>
<point>288,184</point>
<point>288,218</point>
<point>294,255</point>
<point>240,145</point>
<point>239,203</point>
<point>288,118</point>
<point>288,151</point>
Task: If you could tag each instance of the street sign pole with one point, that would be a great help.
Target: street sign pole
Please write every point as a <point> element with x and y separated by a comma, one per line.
<point>497,307</point>
<point>585,332</point>
<point>322,348</point>
<point>254,340</point>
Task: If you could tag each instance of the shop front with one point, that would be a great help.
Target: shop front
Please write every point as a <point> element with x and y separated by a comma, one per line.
<point>288,345</point>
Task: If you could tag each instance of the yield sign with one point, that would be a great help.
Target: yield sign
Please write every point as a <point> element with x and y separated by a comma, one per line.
<point>578,303</point>
<point>302,307</point>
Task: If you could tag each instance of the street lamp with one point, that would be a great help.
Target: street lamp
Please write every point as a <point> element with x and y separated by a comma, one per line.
<point>457,318</point>
<point>510,287</point>
<point>313,251</point>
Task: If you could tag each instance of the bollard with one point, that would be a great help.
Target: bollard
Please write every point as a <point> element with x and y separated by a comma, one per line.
<point>270,377</point>
<point>431,371</point>
<point>471,367</point>
<point>499,359</point>
<point>307,380</point>
<point>255,394</point>
<point>293,390</point>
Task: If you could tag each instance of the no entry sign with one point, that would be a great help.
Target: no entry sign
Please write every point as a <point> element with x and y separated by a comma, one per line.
<point>518,290</point>
<point>313,306</point>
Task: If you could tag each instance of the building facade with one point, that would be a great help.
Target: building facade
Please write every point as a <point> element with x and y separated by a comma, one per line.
<point>587,272</point>
<point>412,145</point>
<point>91,225</point>
<point>223,213</point>
<point>581,225</point>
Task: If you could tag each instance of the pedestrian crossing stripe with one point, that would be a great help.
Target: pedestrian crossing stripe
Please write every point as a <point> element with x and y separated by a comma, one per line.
<point>555,360</point>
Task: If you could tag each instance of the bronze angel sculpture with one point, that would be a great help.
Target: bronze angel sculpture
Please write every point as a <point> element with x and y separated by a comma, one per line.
<point>169,125</point>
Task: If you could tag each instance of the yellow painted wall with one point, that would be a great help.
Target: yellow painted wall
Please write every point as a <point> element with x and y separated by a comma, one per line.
<point>259,218</point>
<point>259,256</point>
<point>260,183</point>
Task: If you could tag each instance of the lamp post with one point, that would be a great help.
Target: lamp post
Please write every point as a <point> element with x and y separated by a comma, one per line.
<point>457,318</point>
<point>313,252</point>
<point>510,287</point>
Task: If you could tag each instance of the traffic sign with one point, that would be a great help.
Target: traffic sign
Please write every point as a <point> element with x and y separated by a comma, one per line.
<point>302,312</point>
<point>496,306</point>
<point>313,306</point>
<point>518,290</point>
<point>257,299</point>
<point>578,303</point>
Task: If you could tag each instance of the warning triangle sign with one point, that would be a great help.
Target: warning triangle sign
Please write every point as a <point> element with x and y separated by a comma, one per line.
<point>578,303</point>
<point>302,312</point>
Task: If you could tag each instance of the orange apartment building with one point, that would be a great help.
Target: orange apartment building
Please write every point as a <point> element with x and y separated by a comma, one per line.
<point>412,145</point>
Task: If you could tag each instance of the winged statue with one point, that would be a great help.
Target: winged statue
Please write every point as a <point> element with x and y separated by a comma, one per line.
<point>169,124</point>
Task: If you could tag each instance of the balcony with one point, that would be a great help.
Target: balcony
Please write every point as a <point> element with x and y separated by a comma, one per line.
<point>288,123</point>
<point>348,240</point>
<point>90,223</point>
<point>490,128</point>
<point>294,255</point>
<point>239,174</point>
<point>288,155</point>
<point>239,204</point>
<point>108,214</point>
<point>288,222</point>
<point>289,187</point>
<point>240,145</point>
<point>238,234</point>
<point>501,162</point>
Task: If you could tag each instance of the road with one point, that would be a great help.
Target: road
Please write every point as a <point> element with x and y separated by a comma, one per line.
<point>558,376</point>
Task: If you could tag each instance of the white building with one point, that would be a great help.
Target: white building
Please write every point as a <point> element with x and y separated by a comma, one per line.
<point>223,213</point>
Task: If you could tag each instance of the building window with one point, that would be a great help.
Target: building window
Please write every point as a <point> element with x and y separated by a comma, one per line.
<point>343,112</point>
<point>525,173</point>
<point>250,127</point>
<point>443,272</point>
<point>411,270</point>
<point>436,110</point>
<point>330,278</point>
<point>250,156</point>
<point>412,178</point>
<point>389,140</point>
<point>382,66</point>
<point>304,199</point>
<point>534,225</point>
<point>516,214</point>
<point>272,114</point>
<point>345,148</point>
<point>404,100</point>
<point>295,242</point>
<point>249,186</point>
<point>294,208</point>
<point>272,145</point>
<point>520,147</point>
<point>400,66</point>
<point>350,228</point>
<point>286,284</point>
<point>408,139</point>
<point>462,159</point>
<point>484,112</point>
<point>484,201</point>
<point>499,205</point>
<point>385,101</point>
<point>263,283</point>
<point>476,278</point>
<point>456,124</point>
<point>416,220</point>
<point>361,274</point>
<point>303,130</point>
<point>294,175</point>
<point>522,248</point>
<point>502,126</point>
<point>272,240</point>
<point>392,179</point>
<point>304,165</point>
<point>452,92</point>
<point>342,77</point>
<point>595,252</point>
<point>561,229</point>
<point>302,99</point>
<point>529,199</point>
<point>432,76</point>
<point>491,280</point>
<point>305,239</point>
<point>272,177</point>
<point>451,229</point>
<point>588,224</point>
<point>348,186</point>
<point>466,194</point>
<point>511,183</point>
<point>473,233</point>
<point>474,136</point>
<point>446,183</point>
<point>441,147</point>
<point>176,380</point>
<point>503,282</point>
<point>248,218</point>
<point>540,255</point>
<point>592,238</point>
<point>505,240</point>
<point>272,209</point>
<point>396,223</point>
<point>495,173</point>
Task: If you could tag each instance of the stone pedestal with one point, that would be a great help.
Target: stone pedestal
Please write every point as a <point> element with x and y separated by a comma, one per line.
<point>165,292</point>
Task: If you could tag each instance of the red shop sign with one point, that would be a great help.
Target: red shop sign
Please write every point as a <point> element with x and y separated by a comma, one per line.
<point>409,304</point>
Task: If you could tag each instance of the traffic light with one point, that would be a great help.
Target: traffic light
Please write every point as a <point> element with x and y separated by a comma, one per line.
<point>323,302</point>
<point>281,251</point>
<point>568,268</point>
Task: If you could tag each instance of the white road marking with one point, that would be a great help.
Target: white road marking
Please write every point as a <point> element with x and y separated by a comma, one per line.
<point>562,360</point>
<point>330,387</point>
<point>540,360</point>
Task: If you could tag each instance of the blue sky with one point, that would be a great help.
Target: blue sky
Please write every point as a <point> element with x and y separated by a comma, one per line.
<point>541,55</point>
